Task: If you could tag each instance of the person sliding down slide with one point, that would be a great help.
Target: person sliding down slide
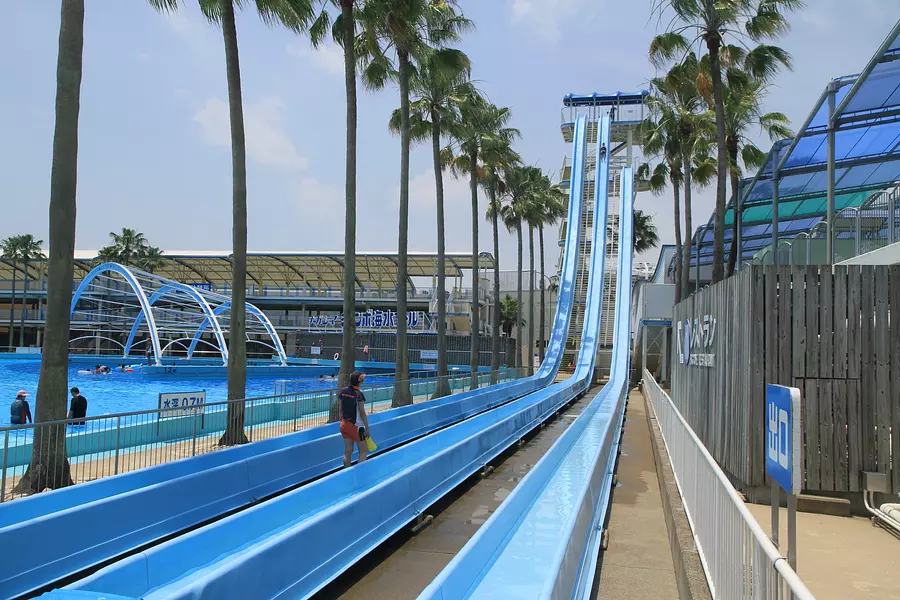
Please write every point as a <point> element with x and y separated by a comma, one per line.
<point>354,421</point>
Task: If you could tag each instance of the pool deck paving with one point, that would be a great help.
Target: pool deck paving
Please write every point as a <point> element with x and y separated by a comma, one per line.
<point>638,562</point>
<point>840,558</point>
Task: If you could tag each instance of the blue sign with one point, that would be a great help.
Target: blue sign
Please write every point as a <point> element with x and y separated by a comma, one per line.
<point>180,404</point>
<point>784,440</point>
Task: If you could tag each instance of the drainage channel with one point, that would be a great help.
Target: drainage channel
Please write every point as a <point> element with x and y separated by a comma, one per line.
<point>401,567</point>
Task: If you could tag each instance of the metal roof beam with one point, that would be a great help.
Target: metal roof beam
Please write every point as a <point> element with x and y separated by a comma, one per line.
<point>873,62</point>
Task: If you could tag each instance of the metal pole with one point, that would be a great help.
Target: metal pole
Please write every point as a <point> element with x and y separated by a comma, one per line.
<point>775,186</point>
<point>892,199</point>
<point>792,531</point>
<point>885,46</point>
<point>699,243</point>
<point>829,244</point>
<point>644,349</point>
<point>738,217</point>
<point>3,472</point>
<point>858,233</point>
<point>118,429</point>
<point>194,439</point>
<point>776,503</point>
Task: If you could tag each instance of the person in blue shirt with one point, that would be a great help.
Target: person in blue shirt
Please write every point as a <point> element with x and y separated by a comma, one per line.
<point>19,411</point>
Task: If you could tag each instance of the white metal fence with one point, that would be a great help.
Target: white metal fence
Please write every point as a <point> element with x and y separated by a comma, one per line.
<point>739,558</point>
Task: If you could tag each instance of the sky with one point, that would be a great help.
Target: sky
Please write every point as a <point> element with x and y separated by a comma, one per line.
<point>154,146</point>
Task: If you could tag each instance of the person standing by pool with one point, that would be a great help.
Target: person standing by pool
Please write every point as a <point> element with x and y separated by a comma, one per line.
<point>354,420</point>
<point>19,411</point>
<point>78,407</point>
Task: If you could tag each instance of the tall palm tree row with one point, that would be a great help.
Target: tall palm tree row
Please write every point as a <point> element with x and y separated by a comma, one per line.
<point>722,27</point>
<point>481,136</point>
<point>413,29</point>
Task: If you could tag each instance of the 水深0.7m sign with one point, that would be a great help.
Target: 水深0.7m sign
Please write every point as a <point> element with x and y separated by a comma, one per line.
<point>181,404</point>
<point>694,339</point>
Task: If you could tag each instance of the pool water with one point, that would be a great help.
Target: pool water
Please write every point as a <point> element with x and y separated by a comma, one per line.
<point>124,392</point>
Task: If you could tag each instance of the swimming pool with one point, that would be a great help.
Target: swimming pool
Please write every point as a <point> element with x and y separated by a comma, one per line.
<point>124,392</point>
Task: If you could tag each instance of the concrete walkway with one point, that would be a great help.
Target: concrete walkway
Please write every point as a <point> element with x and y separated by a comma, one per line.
<point>638,563</point>
<point>841,558</point>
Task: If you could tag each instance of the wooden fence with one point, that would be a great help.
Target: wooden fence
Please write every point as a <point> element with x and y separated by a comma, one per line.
<point>824,330</point>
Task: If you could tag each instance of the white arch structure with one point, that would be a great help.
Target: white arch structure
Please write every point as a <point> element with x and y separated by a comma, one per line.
<point>113,300</point>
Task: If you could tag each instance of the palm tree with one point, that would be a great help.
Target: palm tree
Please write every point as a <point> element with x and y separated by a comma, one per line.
<point>296,15</point>
<point>645,234</point>
<point>743,111</point>
<point>554,203</point>
<point>661,136</point>
<point>437,86</point>
<point>20,248</point>
<point>712,21</point>
<point>509,314</point>
<point>533,215</point>
<point>482,135</point>
<point>492,182</point>
<point>413,28</point>
<point>131,248</point>
<point>676,127</point>
<point>9,250</point>
<point>49,465</point>
<point>511,213</point>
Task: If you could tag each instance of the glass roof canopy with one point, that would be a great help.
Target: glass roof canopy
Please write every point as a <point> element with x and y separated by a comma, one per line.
<point>866,133</point>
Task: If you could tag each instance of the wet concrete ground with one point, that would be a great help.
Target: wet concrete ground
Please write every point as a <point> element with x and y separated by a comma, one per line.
<point>403,566</point>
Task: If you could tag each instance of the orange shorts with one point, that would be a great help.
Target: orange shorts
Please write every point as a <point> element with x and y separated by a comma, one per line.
<point>351,431</point>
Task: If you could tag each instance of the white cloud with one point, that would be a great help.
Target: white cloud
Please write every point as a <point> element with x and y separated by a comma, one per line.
<point>267,141</point>
<point>329,57</point>
<point>312,193</point>
<point>546,16</point>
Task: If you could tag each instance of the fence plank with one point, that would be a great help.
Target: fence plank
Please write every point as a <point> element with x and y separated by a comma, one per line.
<point>882,372</point>
<point>799,318</point>
<point>854,434</point>
<point>784,326</point>
<point>826,437</point>
<point>826,323</point>
<point>812,322</point>
<point>839,433</point>
<point>771,320</point>
<point>840,322</point>
<point>854,278</point>
<point>756,418</point>
<point>895,372</point>
<point>867,367</point>
<point>811,426</point>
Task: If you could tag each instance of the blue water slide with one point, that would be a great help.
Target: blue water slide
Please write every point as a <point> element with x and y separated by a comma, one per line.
<point>544,540</point>
<point>113,516</point>
<point>294,544</point>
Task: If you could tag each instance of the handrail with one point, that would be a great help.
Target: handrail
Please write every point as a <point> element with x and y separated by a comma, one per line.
<point>716,542</point>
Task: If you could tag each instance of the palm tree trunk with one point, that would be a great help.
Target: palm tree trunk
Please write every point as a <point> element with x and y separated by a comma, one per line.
<point>530,354</point>
<point>12,309</point>
<point>476,329</point>
<point>495,328</point>
<point>735,179</point>
<point>686,245</point>
<point>348,359</point>
<point>442,387</point>
<point>542,339</point>
<point>519,300</point>
<point>237,343</point>
<point>678,258</point>
<point>721,163</point>
<point>24,303</point>
<point>49,466</point>
<point>402,395</point>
